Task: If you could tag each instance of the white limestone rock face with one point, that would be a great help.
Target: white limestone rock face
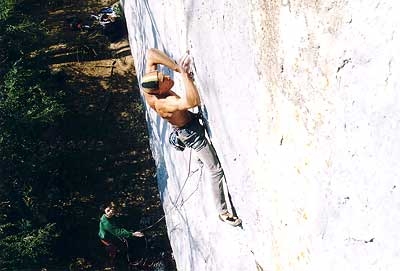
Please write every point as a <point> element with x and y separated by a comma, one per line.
<point>302,102</point>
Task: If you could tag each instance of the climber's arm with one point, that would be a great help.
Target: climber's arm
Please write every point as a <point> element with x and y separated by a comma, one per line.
<point>192,93</point>
<point>155,57</point>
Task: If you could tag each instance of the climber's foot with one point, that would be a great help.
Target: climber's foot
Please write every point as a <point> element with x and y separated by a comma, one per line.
<point>230,219</point>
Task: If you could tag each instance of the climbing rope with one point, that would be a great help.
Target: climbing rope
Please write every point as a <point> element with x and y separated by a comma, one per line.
<point>175,204</point>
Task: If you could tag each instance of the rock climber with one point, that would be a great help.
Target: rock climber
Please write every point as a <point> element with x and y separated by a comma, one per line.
<point>187,130</point>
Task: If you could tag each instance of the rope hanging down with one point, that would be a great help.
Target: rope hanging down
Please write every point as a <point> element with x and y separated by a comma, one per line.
<point>175,204</point>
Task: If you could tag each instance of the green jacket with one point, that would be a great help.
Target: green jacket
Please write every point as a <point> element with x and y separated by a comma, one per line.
<point>106,228</point>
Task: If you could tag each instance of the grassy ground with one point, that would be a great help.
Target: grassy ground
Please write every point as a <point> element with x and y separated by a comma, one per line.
<point>103,138</point>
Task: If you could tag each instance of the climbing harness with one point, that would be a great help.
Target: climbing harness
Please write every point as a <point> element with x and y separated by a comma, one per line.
<point>175,141</point>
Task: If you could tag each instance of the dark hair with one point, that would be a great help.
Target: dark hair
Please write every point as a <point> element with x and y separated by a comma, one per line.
<point>151,84</point>
<point>104,205</point>
<point>150,81</point>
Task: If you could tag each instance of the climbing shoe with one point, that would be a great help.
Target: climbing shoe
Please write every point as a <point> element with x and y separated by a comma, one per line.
<point>230,219</point>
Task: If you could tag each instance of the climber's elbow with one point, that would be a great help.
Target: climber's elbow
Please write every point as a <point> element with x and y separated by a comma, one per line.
<point>193,102</point>
<point>150,53</point>
<point>188,104</point>
<point>151,57</point>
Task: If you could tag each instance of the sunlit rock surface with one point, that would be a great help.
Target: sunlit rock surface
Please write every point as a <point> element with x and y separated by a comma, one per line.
<point>302,103</point>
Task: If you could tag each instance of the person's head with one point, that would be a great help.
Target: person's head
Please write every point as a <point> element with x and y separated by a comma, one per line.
<point>108,209</point>
<point>156,83</point>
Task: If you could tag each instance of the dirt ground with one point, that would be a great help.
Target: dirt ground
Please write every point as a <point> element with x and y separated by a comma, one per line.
<point>105,131</point>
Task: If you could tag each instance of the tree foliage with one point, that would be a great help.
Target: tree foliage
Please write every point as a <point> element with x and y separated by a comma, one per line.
<point>23,244</point>
<point>29,107</point>
<point>63,150</point>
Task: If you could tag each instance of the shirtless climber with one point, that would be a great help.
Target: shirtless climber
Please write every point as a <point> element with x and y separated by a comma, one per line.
<point>187,132</point>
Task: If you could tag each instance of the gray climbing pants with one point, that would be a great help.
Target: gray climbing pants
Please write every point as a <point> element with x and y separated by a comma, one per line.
<point>192,135</point>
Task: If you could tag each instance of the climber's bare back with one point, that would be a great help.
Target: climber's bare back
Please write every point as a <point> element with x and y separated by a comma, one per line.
<point>178,118</point>
<point>168,108</point>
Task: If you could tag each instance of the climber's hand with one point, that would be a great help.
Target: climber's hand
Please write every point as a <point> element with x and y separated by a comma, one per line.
<point>185,62</point>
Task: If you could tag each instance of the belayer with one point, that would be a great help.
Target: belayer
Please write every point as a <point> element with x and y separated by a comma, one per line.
<point>114,238</point>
